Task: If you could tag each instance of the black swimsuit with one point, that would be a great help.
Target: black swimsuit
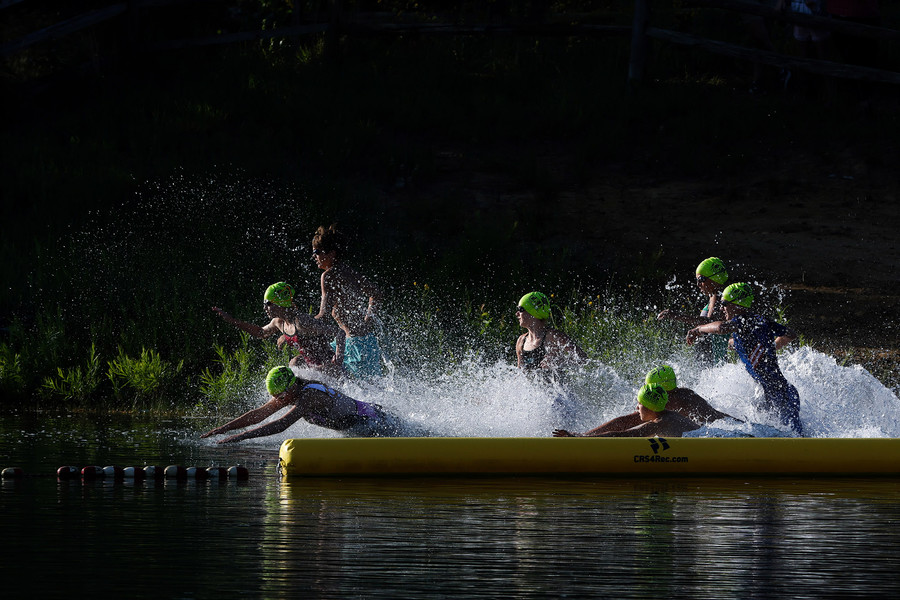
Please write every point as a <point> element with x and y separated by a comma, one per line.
<point>314,350</point>
<point>532,359</point>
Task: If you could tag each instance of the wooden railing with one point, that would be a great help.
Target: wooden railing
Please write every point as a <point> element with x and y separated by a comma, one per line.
<point>641,32</point>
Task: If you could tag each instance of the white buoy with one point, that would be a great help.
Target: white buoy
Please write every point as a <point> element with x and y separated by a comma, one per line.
<point>238,472</point>
<point>112,472</point>
<point>154,472</point>
<point>176,472</point>
<point>217,472</point>
<point>135,473</point>
<point>197,473</point>
<point>12,473</point>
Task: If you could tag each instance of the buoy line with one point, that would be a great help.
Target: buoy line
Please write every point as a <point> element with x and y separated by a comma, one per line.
<point>149,472</point>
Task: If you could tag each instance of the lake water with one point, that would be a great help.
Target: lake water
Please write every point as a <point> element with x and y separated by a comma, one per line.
<point>429,537</point>
<point>449,537</point>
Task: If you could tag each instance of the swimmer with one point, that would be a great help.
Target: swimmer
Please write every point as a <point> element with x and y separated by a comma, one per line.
<point>655,419</point>
<point>711,279</point>
<point>756,339</point>
<point>542,347</point>
<point>303,334</point>
<point>684,401</point>
<point>313,402</point>
<point>352,301</point>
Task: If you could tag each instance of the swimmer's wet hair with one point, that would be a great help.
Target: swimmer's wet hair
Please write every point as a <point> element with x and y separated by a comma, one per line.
<point>330,239</point>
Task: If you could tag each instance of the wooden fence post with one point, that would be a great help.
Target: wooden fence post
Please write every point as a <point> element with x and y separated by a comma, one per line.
<point>333,34</point>
<point>132,28</point>
<point>639,42</point>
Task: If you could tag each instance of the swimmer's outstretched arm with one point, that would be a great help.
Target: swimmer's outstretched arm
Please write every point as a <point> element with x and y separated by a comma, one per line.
<point>310,325</point>
<point>565,433</point>
<point>783,340</point>
<point>276,426</point>
<point>716,327</point>
<point>648,429</point>
<point>692,320</point>
<point>249,418</point>
<point>645,429</point>
<point>618,424</point>
<point>251,328</point>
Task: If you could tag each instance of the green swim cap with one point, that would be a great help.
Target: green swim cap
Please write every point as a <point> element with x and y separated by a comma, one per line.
<point>738,293</point>
<point>653,396</point>
<point>664,375</point>
<point>537,305</point>
<point>279,380</point>
<point>281,294</point>
<point>713,268</point>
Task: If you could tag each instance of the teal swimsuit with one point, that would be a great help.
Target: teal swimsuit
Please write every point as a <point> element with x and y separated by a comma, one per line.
<point>362,356</point>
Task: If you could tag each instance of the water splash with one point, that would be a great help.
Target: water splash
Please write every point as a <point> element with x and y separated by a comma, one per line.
<point>247,234</point>
<point>495,399</point>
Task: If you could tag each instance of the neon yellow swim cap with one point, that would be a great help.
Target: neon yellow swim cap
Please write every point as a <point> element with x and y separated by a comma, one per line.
<point>279,380</point>
<point>713,268</point>
<point>281,294</point>
<point>537,305</point>
<point>738,293</point>
<point>653,396</point>
<point>664,375</point>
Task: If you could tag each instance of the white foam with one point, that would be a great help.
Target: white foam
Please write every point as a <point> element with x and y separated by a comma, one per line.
<point>474,398</point>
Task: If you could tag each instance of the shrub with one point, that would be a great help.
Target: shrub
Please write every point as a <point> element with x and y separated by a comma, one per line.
<point>148,378</point>
<point>75,384</point>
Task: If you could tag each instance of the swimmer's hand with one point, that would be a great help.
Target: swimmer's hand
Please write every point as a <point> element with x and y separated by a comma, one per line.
<point>215,431</point>
<point>692,336</point>
<point>666,314</point>
<point>564,433</point>
<point>221,313</point>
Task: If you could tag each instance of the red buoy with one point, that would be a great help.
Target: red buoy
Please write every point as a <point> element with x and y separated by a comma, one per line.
<point>92,472</point>
<point>67,472</point>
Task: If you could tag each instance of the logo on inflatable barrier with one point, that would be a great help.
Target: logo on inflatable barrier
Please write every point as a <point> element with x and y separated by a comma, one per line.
<point>658,445</point>
<point>655,446</point>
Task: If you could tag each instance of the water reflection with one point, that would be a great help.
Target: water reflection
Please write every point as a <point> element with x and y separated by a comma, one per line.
<point>422,537</point>
<point>537,537</point>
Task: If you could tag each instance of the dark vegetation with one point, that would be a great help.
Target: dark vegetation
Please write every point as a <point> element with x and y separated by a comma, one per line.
<point>141,192</point>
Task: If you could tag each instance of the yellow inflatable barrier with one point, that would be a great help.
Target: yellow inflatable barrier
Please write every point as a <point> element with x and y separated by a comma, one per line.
<point>589,456</point>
